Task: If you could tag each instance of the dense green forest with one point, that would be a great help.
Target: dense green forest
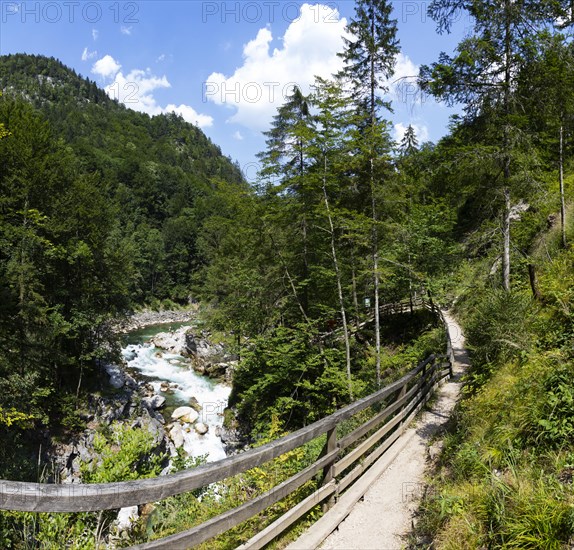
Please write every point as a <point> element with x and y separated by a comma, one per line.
<point>103,209</point>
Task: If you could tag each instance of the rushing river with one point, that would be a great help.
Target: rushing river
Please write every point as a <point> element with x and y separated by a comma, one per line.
<point>157,366</point>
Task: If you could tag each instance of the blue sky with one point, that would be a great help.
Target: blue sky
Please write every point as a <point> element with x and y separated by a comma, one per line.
<point>223,65</point>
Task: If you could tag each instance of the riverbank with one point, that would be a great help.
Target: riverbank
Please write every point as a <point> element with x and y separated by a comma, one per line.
<point>147,317</point>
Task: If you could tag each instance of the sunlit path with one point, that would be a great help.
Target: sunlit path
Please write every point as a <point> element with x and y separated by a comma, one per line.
<point>383,517</point>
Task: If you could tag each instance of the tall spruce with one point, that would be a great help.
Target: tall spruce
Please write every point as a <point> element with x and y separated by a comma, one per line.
<point>284,165</point>
<point>409,144</point>
<point>369,57</point>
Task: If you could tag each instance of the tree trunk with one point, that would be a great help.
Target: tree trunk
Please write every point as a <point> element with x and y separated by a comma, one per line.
<point>354,288</point>
<point>562,200</point>
<point>339,285</point>
<point>506,149</point>
<point>534,282</point>
<point>373,85</point>
<point>506,242</point>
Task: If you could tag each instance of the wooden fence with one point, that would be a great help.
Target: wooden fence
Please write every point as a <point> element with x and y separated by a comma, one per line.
<point>341,462</point>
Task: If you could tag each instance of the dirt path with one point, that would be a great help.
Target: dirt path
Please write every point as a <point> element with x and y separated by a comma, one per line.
<point>382,519</point>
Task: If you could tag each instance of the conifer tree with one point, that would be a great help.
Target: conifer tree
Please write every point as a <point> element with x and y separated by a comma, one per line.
<point>369,62</point>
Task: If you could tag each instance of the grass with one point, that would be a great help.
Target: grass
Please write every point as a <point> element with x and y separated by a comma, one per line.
<point>504,479</point>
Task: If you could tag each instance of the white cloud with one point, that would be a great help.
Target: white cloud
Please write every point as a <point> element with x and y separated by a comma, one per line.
<point>238,136</point>
<point>106,67</point>
<point>86,54</point>
<point>160,58</point>
<point>135,90</point>
<point>405,68</point>
<point>189,114</point>
<point>95,34</point>
<point>126,30</point>
<point>421,132</point>
<point>309,47</point>
<point>403,88</point>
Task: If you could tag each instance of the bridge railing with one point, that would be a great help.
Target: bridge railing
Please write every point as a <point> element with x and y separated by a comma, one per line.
<point>339,464</point>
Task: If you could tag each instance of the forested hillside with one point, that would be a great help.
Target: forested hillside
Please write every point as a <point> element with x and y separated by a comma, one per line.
<point>102,209</point>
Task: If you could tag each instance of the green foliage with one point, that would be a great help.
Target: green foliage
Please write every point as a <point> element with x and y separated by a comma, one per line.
<point>288,374</point>
<point>555,414</point>
<point>497,329</point>
<point>125,455</point>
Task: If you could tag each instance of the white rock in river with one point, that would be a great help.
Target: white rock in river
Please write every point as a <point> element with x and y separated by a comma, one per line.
<point>185,414</point>
<point>201,428</point>
<point>176,434</point>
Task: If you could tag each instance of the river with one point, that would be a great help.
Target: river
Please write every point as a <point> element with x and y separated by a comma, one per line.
<point>157,366</point>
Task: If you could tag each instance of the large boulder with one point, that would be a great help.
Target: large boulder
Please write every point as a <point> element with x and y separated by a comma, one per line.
<point>176,435</point>
<point>154,402</point>
<point>185,414</point>
<point>117,377</point>
<point>201,428</point>
<point>180,342</point>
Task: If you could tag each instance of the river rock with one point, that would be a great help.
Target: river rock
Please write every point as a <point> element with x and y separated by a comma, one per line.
<point>201,428</point>
<point>173,342</point>
<point>154,402</point>
<point>194,403</point>
<point>185,414</point>
<point>117,377</point>
<point>176,434</point>
<point>198,366</point>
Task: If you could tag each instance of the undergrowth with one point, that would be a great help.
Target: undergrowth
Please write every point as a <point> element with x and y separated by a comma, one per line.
<point>505,477</point>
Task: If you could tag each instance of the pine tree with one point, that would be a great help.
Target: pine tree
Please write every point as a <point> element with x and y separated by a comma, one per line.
<point>409,144</point>
<point>369,61</point>
<point>284,166</point>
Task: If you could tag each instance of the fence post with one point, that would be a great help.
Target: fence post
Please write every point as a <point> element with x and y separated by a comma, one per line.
<point>399,397</point>
<point>328,470</point>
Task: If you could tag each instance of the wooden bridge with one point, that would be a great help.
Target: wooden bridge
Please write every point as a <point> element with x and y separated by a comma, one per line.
<point>342,461</point>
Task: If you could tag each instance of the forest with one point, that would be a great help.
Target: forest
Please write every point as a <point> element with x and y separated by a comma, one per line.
<point>104,210</point>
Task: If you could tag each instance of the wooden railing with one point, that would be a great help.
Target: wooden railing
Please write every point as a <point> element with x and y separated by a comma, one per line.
<point>340,463</point>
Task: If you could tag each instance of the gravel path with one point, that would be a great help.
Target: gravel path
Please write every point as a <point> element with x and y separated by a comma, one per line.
<point>383,518</point>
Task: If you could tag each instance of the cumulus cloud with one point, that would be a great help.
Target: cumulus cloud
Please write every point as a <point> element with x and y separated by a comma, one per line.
<point>95,34</point>
<point>106,67</point>
<point>421,131</point>
<point>255,90</point>
<point>189,114</point>
<point>86,54</point>
<point>238,136</point>
<point>135,90</point>
<point>309,48</point>
<point>126,30</point>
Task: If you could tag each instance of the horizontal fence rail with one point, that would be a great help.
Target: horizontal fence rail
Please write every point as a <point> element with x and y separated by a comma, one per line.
<point>340,463</point>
